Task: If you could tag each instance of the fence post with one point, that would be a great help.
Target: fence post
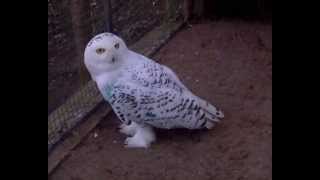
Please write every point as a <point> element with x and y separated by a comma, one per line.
<point>172,8</point>
<point>108,15</point>
<point>79,10</point>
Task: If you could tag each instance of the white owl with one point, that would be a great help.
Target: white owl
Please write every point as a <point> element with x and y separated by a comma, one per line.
<point>143,93</point>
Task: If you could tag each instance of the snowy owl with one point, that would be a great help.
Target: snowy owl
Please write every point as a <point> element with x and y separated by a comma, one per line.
<point>143,94</point>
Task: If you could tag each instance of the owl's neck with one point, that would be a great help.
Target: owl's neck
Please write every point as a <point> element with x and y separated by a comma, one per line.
<point>133,58</point>
<point>109,78</point>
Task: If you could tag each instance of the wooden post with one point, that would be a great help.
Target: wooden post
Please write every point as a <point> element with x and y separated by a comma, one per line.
<point>198,8</point>
<point>192,8</point>
<point>186,10</point>
<point>172,6</point>
<point>108,15</point>
<point>79,10</point>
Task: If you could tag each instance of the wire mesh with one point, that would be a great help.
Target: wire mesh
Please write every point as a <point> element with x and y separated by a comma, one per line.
<point>72,112</point>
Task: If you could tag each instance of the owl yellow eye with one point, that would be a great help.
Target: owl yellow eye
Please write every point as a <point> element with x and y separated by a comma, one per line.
<point>100,50</point>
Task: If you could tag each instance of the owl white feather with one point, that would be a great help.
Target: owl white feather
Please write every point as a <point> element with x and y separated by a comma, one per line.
<point>143,93</point>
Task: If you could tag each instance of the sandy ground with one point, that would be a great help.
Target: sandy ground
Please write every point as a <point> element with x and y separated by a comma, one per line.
<point>230,65</point>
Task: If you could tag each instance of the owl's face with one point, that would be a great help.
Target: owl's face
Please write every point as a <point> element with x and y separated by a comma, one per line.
<point>104,53</point>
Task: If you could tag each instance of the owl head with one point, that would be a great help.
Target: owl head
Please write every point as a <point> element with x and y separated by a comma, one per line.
<point>104,53</point>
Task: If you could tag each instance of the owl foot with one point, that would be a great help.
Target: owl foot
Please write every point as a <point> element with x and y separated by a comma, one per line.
<point>142,138</point>
<point>129,130</point>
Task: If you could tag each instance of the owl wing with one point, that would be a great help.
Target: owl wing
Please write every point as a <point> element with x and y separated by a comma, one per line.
<point>159,107</point>
<point>154,75</point>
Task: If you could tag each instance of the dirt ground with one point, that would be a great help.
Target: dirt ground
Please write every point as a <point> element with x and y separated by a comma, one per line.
<point>230,65</point>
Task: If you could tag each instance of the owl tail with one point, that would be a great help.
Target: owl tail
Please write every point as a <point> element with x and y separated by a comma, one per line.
<point>212,113</point>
